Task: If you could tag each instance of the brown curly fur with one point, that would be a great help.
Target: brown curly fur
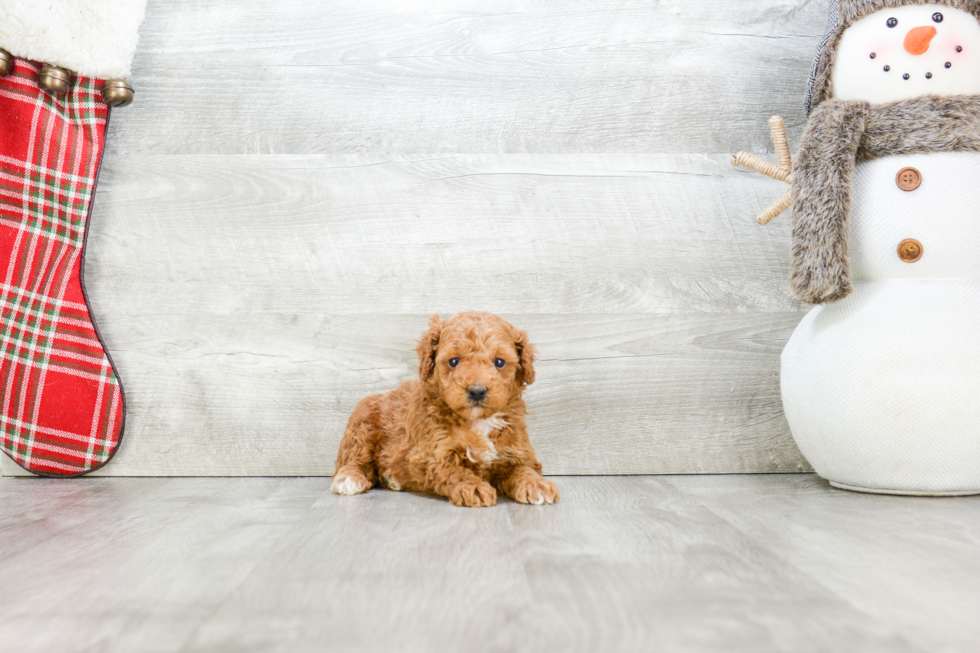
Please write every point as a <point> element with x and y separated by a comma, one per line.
<point>427,435</point>
<point>839,135</point>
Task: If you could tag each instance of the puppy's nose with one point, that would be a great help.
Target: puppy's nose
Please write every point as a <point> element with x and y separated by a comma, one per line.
<point>477,393</point>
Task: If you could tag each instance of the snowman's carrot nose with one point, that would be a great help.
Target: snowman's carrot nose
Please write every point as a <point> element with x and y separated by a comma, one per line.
<point>918,39</point>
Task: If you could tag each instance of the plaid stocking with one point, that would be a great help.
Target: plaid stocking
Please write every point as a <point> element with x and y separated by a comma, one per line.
<point>62,411</point>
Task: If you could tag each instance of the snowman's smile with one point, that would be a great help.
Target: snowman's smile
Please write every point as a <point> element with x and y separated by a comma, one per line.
<point>918,45</point>
<point>907,52</point>
<point>917,42</point>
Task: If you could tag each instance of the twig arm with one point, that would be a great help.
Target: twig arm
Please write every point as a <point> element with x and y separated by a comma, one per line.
<point>761,165</point>
<point>783,171</point>
<point>780,142</point>
<point>777,207</point>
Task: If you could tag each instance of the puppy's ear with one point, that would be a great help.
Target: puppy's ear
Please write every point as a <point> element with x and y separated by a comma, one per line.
<point>427,347</point>
<point>525,351</point>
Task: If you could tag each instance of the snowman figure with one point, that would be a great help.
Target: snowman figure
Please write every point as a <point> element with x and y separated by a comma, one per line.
<point>881,380</point>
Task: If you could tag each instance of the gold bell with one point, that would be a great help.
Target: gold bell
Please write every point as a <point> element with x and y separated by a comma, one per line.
<point>117,93</point>
<point>53,79</point>
<point>6,62</point>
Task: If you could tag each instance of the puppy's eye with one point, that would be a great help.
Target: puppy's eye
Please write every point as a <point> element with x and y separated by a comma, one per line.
<point>937,17</point>
<point>453,362</point>
<point>499,362</point>
<point>892,22</point>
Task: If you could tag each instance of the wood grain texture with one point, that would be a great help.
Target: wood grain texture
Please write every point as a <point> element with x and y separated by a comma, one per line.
<point>452,76</point>
<point>510,233</point>
<point>277,403</point>
<point>299,185</point>
<point>885,565</point>
<point>234,308</point>
<point>736,563</point>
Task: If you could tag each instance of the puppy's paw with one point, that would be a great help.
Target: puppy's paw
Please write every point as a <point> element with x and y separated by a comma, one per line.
<point>536,491</point>
<point>349,482</point>
<point>473,495</point>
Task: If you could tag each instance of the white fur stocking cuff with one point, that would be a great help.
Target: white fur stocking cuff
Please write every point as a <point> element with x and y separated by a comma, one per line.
<point>95,38</point>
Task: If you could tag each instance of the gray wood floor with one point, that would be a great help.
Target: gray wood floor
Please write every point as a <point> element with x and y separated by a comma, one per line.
<point>709,563</point>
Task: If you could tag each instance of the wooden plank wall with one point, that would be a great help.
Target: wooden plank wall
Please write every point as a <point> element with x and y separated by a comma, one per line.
<point>299,185</point>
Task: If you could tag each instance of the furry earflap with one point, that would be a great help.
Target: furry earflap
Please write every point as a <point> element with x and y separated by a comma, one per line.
<point>822,180</point>
<point>525,350</point>
<point>427,347</point>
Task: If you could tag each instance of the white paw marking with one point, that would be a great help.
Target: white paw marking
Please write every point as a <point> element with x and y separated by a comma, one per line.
<point>348,487</point>
<point>486,457</point>
<point>537,499</point>
<point>483,428</point>
<point>487,426</point>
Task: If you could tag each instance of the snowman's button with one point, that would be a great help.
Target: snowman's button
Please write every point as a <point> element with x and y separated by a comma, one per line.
<point>910,250</point>
<point>908,179</point>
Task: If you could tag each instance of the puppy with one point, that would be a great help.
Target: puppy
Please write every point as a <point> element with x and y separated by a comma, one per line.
<point>459,430</point>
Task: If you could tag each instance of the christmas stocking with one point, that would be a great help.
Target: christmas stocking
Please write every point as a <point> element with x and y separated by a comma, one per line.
<point>61,402</point>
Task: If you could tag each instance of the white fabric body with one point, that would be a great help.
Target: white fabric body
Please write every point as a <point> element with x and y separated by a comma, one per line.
<point>95,38</point>
<point>856,76</point>
<point>882,389</point>
<point>943,214</point>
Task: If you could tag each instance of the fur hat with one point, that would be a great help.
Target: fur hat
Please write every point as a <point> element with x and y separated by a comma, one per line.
<point>844,13</point>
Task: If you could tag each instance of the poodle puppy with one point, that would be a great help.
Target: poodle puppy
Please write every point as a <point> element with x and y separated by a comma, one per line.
<point>457,431</point>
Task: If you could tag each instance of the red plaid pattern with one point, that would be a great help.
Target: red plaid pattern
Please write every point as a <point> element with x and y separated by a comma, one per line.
<point>62,403</point>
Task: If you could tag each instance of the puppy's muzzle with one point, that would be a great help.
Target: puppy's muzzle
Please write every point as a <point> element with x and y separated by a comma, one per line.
<point>477,393</point>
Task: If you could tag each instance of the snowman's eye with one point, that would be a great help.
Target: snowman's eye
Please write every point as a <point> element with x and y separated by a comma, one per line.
<point>892,22</point>
<point>937,17</point>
